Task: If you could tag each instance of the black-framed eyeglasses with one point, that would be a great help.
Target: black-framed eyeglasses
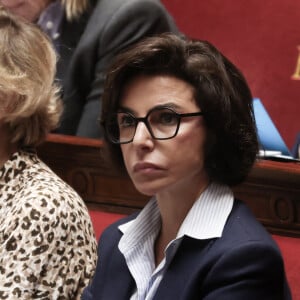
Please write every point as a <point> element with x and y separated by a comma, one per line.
<point>162,123</point>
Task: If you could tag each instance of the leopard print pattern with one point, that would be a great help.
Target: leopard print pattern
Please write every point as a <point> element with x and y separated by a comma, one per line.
<point>47,243</point>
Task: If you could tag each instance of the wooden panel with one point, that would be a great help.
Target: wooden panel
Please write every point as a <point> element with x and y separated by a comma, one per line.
<point>272,190</point>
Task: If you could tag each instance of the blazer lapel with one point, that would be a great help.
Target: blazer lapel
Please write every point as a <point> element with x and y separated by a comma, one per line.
<point>178,279</point>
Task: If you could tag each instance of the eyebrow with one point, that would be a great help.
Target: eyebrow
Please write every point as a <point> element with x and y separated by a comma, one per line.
<point>125,109</point>
<point>163,105</point>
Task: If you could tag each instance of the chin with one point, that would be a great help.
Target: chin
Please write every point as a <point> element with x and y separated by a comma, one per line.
<point>146,191</point>
<point>147,188</point>
<point>150,186</point>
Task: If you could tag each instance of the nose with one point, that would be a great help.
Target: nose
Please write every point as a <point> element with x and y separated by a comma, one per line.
<point>142,135</point>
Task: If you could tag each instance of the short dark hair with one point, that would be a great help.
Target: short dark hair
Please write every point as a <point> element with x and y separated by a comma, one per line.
<point>221,92</point>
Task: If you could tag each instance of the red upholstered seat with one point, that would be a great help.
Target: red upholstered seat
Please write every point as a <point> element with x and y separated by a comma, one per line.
<point>290,248</point>
<point>101,220</point>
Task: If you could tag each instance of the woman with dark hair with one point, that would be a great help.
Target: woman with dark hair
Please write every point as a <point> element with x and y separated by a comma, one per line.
<point>178,117</point>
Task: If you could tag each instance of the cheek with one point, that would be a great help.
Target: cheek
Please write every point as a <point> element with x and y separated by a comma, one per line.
<point>9,3</point>
<point>30,10</point>
<point>25,12</point>
<point>189,150</point>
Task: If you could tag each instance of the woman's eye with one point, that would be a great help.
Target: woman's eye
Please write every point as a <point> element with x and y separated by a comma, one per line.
<point>126,121</point>
<point>167,118</point>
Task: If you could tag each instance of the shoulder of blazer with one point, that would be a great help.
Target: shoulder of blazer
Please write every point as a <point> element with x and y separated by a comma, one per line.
<point>112,232</point>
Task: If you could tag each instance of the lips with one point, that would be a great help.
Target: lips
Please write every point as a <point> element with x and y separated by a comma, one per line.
<point>146,167</point>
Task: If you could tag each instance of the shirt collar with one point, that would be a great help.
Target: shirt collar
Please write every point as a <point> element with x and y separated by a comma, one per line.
<point>206,219</point>
<point>145,224</point>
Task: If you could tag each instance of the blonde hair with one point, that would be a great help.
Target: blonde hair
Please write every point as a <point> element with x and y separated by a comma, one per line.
<point>27,89</point>
<point>75,8</point>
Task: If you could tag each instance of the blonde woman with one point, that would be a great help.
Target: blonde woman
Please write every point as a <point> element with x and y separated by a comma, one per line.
<point>47,244</point>
<point>87,35</point>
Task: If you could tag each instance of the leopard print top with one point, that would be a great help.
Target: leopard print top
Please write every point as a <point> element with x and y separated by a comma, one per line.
<point>47,243</point>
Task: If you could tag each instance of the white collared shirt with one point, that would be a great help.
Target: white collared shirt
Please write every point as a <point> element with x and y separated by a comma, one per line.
<point>205,220</point>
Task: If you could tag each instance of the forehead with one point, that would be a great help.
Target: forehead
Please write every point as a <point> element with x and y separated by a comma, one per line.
<point>147,91</point>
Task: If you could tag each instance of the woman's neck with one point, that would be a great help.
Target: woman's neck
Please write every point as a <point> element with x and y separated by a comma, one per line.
<point>174,206</point>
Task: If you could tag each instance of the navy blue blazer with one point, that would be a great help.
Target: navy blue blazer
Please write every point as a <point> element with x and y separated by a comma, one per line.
<point>245,263</point>
<point>88,45</point>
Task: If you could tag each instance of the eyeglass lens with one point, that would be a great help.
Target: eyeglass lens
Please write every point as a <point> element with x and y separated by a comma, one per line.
<point>162,124</point>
